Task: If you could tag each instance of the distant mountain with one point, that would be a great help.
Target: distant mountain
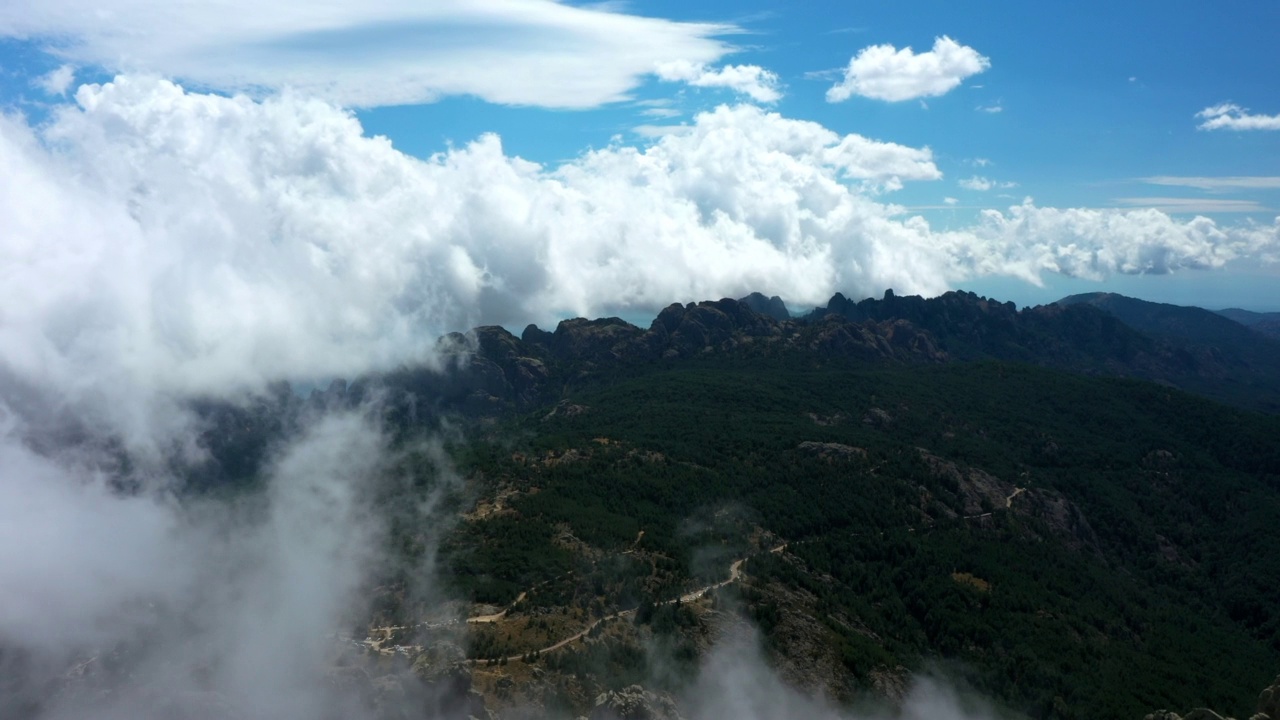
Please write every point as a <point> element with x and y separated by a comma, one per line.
<point>495,372</point>
<point>1266,323</point>
<point>492,372</point>
<point>1191,348</point>
<point>1174,321</point>
<point>1235,361</point>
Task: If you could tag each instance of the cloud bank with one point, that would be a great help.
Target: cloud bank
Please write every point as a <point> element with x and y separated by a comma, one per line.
<point>382,52</point>
<point>189,243</point>
<point>882,72</point>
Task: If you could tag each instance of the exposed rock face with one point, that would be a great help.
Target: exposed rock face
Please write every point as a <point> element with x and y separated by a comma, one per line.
<point>1062,516</point>
<point>1269,702</point>
<point>1268,709</point>
<point>875,417</point>
<point>980,491</point>
<point>834,451</point>
<point>1197,714</point>
<point>634,703</point>
<point>490,371</point>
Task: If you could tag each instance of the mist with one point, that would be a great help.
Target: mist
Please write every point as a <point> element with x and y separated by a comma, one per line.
<point>198,608</point>
<point>736,682</point>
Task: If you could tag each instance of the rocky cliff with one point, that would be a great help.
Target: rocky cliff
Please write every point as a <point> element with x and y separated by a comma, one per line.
<point>1268,709</point>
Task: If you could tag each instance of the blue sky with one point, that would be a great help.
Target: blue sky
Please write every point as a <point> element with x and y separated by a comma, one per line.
<point>1105,107</point>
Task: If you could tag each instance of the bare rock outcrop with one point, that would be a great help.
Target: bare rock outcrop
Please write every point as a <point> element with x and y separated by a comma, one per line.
<point>833,451</point>
<point>1268,708</point>
<point>634,703</point>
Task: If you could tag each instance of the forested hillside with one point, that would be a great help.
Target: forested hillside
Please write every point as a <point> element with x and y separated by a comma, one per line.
<point>1075,547</point>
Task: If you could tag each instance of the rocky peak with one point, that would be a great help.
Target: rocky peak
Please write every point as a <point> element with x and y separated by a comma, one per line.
<point>769,307</point>
<point>592,340</point>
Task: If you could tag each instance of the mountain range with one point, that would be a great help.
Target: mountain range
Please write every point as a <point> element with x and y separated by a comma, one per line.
<point>1068,511</point>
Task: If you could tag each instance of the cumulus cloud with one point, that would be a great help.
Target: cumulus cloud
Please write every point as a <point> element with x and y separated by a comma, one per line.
<point>382,52</point>
<point>882,72</point>
<point>1026,240</point>
<point>1228,116</point>
<point>751,80</point>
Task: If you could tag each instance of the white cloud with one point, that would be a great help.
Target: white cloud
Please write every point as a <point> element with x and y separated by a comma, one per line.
<point>978,183</point>
<point>1091,244</point>
<point>1228,116</point>
<point>203,242</point>
<point>950,200</point>
<point>751,80</point>
<point>381,52</point>
<point>991,109</point>
<point>657,131</point>
<point>58,81</point>
<point>1254,182</point>
<point>1193,205</point>
<point>226,613</point>
<point>882,72</point>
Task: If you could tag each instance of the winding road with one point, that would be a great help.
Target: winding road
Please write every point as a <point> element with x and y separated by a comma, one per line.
<point>735,574</point>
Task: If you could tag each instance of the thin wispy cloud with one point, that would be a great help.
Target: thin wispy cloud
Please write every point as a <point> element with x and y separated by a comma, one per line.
<point>1237,182</point>
<point>978,183</point>
<point>661,112</point>
<point>1194,205</point>
<point>657,131</point>
<point>753,81</point>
